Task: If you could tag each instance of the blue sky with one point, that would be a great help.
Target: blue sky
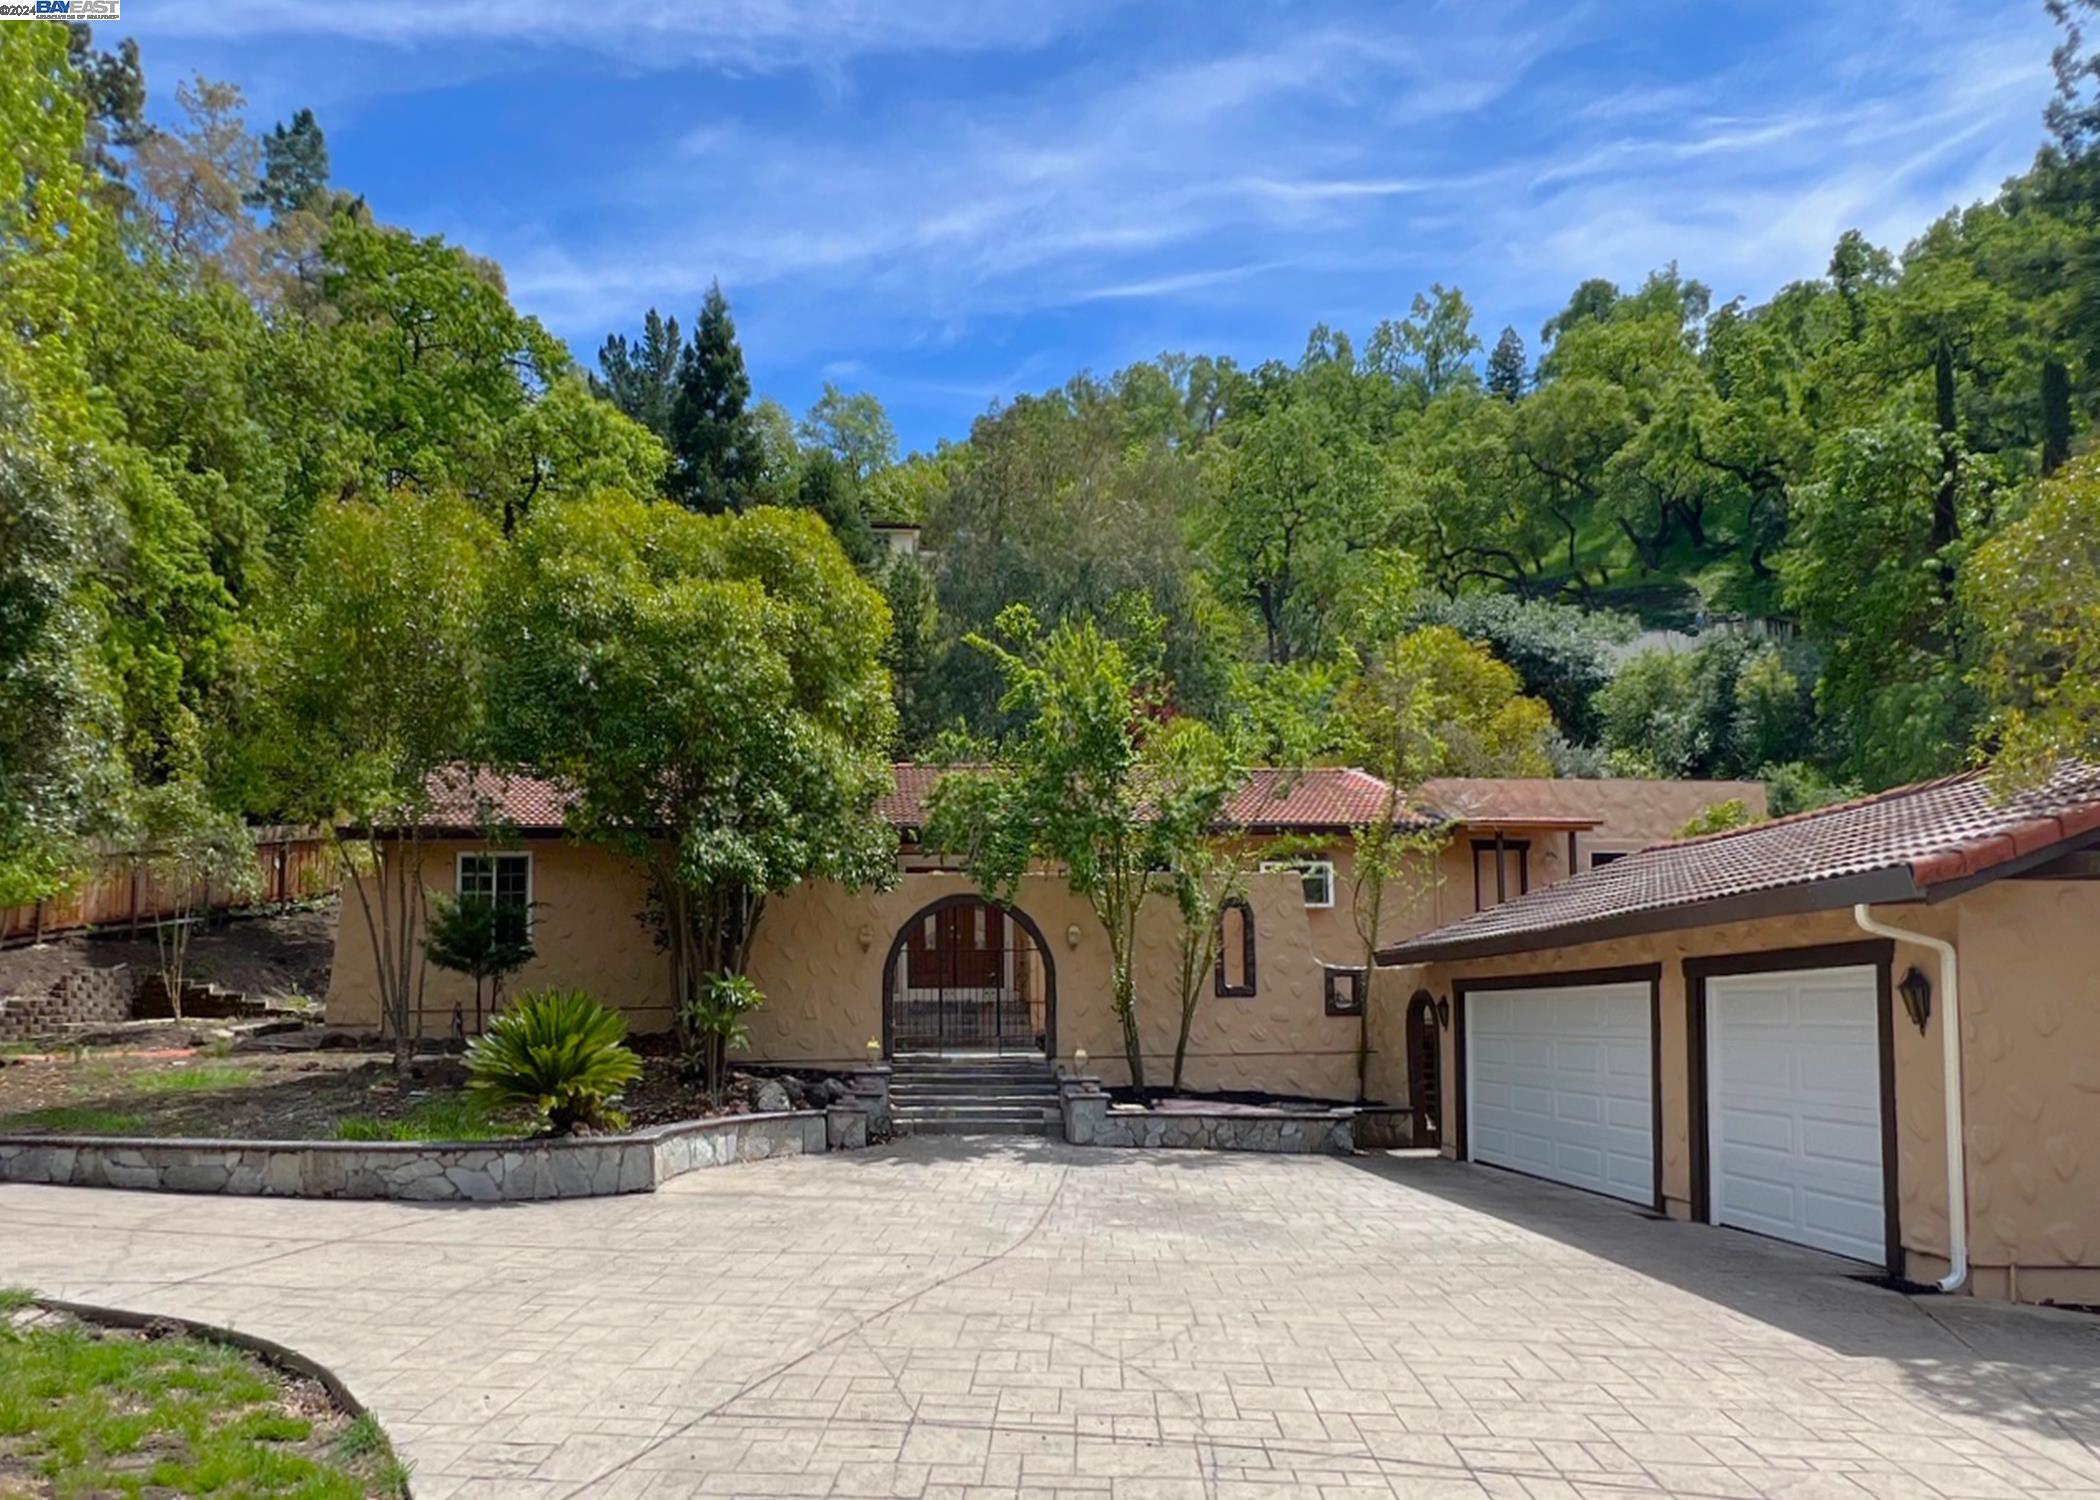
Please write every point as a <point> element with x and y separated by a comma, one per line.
<point>949,201</point>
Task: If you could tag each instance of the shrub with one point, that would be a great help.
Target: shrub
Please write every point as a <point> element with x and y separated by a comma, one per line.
<point>713,1022</point>
<point>1717,817</point>
<point>558,1052</point>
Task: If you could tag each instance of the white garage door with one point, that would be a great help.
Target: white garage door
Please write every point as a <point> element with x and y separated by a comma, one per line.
<point>1558,1084</point>
<point>1794,1108</point>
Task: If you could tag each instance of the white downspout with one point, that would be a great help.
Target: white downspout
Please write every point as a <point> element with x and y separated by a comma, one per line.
<point>1950,1065</point>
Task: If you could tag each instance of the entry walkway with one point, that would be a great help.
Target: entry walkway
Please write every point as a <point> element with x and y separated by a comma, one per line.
<point>975,1318</point>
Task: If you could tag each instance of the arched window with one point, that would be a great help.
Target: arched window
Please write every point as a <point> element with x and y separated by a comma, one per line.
<point>1235,975</point>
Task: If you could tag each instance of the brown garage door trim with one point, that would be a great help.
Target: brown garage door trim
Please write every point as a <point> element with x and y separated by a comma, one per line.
<point>1568,979</point>
<point>1880,956</point>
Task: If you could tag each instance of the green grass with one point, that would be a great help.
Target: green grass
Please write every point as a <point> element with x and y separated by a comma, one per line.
<point>454,1119</point>
<point>121,1415</point>
<point>70,1119</point>
<point>188,1080</point>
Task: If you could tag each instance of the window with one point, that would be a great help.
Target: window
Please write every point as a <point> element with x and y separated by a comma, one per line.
<point>1601,857</point>
<point>505,879</point>
<point>1493,885</point>
<point>1318,875</point>
<point>1235,974</point>
<point>1345,991</point>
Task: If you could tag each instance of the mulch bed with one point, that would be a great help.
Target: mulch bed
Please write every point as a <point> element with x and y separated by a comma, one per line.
<point>288,1096</point>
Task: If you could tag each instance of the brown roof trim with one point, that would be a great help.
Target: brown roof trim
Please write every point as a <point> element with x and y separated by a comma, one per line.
<point>1875,887</point>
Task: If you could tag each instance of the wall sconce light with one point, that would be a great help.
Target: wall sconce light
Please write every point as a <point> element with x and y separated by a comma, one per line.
<point>1443,1011</point>
<point>1072,936</point>
<point>867,937</point>
<point>1079,1059</point>
<point>874,1051</point>
<point>1916,991</point>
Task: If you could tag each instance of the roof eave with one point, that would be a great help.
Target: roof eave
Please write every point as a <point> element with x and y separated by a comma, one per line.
<point>1889,886</point>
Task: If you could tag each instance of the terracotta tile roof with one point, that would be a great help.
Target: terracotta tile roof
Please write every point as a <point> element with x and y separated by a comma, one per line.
<point>1544,802</point>
<point>1320,799</point>
<point>1908,844</point>
<point>470,802</point>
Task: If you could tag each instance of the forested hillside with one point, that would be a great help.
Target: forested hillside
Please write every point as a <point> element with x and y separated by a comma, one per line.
<point>1859,507</point>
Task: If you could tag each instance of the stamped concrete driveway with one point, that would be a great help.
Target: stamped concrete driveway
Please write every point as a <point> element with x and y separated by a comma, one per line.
<point>984,1319</point>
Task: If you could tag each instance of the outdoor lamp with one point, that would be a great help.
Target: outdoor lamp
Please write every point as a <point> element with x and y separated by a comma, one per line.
<point>1916,991</point>
<point>1443,1011</point>
<point>1079,1060</point>
<point>1072,936</point>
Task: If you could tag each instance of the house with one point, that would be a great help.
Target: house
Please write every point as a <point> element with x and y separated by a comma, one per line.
<point>928,965</point>
<point>1872,1029</point>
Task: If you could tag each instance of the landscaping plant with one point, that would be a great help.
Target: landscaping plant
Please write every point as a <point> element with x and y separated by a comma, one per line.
<point>477,936</point>
<point>558,1052</point>
<point>711,1024</point>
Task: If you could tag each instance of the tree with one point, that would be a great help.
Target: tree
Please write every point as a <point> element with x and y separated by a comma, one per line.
<point>1430,350</point>
<point>714,452</point>
<point>712,689</point>
<point>641,377</point>
<point>852,428</point>
<point>188,847</point>
<point>1195,770</point>
<point>1070,786</point>
<point>194,177</point>
<point>2034,591</point>
<point>374,692</point>
<point>294,168</point>
<point>59,712</point>
<point>482,938</point>
<point>827,488</point>
<point>1506,371</point>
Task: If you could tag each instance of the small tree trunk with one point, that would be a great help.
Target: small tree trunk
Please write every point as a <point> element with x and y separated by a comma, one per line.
<point>1126,1012</point>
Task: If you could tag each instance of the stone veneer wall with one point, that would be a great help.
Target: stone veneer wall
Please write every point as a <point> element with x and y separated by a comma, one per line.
<point>1090,1122</point>
<point>428,1171</point>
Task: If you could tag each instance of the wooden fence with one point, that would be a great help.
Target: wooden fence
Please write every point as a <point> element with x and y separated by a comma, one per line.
<point>294,864</point>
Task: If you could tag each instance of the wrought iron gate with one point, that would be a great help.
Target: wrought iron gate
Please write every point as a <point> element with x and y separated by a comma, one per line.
<point>967,978</point>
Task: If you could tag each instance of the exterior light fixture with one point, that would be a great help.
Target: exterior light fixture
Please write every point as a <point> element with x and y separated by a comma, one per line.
<point>874,1051</point>
<point>867,937</point>
<point>1072,936</point>
<point>1916,991</point>
<point>1079,1060</point>
<point>1443,1011</point>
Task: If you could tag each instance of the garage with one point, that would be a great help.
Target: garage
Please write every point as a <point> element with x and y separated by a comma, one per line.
<point>1560,1081</point>
<point>1796,1139</point>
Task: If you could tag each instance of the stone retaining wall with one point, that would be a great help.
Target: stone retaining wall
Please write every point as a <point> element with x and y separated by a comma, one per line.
<point>426,1171</point>
<point>84,997</point>
<point>1089,1121</point>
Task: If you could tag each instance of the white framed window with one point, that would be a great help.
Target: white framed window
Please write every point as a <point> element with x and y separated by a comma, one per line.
<point>505,879</point>
<point>1318,875</point>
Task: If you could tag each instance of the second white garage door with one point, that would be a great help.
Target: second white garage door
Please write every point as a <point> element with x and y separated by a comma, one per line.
<point>1793,1077</point>
<point>1559,1083</point>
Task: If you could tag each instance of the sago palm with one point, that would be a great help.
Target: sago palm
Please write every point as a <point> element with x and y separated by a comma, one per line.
<point>558,1051</point>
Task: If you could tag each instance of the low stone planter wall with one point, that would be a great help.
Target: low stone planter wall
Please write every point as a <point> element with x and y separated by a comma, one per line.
<point>427,1171</point>
<point>1090,1121</point>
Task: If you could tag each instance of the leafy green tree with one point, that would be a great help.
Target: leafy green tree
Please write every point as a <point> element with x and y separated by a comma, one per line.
<point>1562,655</point>
<point>827,487</point>
<point>373,685</point>
<point>2034,592</point>
<point>190,849</point>
<point>854,429</point>
<point>58,709</point>
<point>713,1026</point>
<point>910,652</point>
<point>1080,783</point>
<point>714,451</point>
<point>1429,351</point>
<point>1717,817</point>
<point>713,690</point>
<point>640,376</point>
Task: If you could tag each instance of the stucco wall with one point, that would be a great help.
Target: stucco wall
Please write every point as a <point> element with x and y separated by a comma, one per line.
<point>2031,1070</point>
<point>819,956</point>
<point>1638,813</point>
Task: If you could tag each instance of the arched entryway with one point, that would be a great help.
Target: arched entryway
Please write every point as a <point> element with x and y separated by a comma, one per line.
<point>1425,1069</point>
<point>964,975</point>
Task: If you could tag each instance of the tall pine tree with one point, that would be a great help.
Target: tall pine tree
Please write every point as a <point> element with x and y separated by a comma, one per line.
<point>715,457</point>
<point>1505,377</point>
<point>641,377</point>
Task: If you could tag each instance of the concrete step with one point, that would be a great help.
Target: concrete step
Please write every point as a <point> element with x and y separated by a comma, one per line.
<point>973,1127</point>
<point>1006,1098</point>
